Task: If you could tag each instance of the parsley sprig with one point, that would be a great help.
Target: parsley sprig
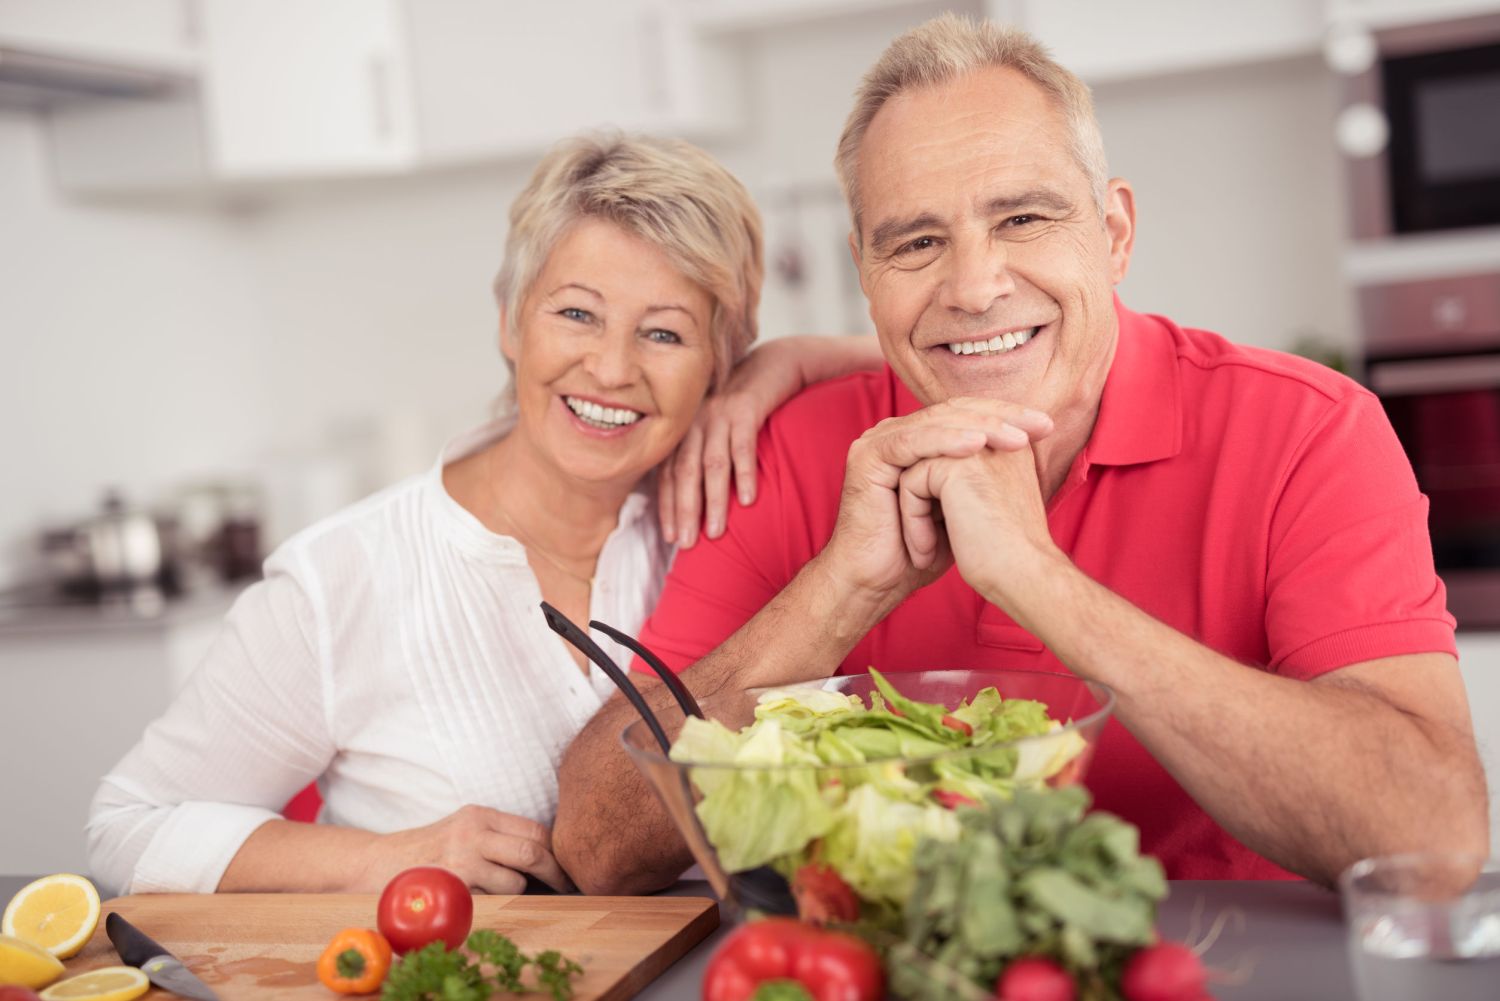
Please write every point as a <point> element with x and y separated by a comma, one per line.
<point>433,973</point>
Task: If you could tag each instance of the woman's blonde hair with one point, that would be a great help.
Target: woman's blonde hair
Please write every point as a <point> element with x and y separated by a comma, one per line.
<point>944,49</point>
<point>667,192</point>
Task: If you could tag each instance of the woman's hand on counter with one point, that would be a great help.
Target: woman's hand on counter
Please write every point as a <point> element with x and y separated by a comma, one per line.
<point>489,850</point>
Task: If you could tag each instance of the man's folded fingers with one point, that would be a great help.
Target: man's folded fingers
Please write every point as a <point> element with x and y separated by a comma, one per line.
<point>918,528</point>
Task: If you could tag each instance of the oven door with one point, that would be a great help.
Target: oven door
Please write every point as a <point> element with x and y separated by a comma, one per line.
<point>1446,412</point>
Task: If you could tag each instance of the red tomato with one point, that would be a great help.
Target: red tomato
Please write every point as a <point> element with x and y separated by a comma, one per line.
<point>425,904</point>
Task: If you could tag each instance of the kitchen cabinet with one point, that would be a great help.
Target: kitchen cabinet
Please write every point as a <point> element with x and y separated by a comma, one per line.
<point>1380,14</point>
<point>294,89</point>
<point>1111,41</point>
<point>78,688</point>
<point>153,34</point>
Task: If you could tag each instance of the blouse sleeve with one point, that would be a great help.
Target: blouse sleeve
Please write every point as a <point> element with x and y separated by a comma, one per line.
<point>248,731</point>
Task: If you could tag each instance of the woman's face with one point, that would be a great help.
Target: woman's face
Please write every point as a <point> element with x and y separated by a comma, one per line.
<point>613,355</point>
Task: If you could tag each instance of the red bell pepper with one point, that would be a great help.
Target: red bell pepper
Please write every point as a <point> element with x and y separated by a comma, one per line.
<point>829,965</point>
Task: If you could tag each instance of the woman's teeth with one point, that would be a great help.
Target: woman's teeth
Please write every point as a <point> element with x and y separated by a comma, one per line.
<point>997,345</point>
<point>599,416</point>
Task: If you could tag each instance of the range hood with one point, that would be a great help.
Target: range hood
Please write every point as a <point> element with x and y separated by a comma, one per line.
<point>31,79</point>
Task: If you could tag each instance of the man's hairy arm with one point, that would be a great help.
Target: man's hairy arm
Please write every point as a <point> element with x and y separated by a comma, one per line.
<point>612,834</point>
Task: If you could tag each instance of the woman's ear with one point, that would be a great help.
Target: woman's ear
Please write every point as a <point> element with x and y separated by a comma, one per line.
<point>508,337</point>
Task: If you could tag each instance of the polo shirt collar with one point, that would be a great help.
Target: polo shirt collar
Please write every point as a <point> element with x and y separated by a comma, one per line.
<point>1140,411</point>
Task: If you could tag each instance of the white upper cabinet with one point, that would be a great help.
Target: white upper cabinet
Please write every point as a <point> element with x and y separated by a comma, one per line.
<point>153,34</point>
<point>305,88</point>
<point>1102,40</point>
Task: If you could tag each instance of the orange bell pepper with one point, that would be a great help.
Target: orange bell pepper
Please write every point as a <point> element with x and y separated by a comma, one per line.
<point>355,962</point>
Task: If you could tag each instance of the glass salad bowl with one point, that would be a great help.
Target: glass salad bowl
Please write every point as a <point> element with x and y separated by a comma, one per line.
<point>826,788</point>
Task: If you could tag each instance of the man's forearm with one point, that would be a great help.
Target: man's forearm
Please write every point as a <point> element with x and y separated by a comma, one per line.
<point>1310,775</point>
<point>612,834</point>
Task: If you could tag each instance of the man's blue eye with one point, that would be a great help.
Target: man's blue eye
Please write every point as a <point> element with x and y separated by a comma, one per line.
<point>664,336</point>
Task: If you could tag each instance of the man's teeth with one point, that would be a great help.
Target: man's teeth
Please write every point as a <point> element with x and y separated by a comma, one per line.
<point>600,416</point>
<point>999,344</point>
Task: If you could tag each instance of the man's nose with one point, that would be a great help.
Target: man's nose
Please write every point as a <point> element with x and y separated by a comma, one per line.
<point>612,360</point>
<point>979,273</point>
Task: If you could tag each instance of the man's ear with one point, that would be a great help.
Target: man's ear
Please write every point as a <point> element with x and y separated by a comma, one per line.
<point>507,337</point>
<point>1119,223</point>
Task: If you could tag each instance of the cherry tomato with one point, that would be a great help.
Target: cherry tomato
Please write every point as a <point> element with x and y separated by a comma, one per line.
<point>425,904</point>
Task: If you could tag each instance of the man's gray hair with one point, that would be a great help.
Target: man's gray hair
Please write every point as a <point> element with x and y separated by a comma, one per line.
<point>948,47</point>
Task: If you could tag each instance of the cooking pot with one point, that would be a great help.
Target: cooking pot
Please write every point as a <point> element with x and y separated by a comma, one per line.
<point>121,548</point>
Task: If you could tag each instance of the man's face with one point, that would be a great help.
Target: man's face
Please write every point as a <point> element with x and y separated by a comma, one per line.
<point>988,268</point>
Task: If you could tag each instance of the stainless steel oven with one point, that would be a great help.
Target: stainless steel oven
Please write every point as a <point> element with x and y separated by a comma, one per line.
<point>1433,358</point>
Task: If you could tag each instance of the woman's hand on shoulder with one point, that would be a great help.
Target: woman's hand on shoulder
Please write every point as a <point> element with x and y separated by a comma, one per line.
<point>693,482</point>
<point>489,850</point>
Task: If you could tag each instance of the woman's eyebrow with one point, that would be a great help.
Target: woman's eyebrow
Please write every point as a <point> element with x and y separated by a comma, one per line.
<point>581,287</point>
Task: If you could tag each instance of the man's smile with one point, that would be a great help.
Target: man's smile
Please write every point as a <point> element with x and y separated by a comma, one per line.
<point>997,344</point>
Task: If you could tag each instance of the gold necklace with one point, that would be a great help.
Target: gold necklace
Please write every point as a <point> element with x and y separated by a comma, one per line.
<point>530,544</point>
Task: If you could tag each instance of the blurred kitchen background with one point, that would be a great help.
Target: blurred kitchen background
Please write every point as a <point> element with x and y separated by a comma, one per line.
<point>247,249</point>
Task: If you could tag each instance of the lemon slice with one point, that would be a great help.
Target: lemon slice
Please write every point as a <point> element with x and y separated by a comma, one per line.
<point>26,965</point>
<point>112,983</point>
<point>58,913</point>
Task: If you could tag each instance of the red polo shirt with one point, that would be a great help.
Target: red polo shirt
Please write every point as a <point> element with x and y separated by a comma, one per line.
<point>1255,501</point>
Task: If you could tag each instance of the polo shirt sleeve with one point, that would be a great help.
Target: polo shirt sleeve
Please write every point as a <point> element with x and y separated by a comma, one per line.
<point>1350,575</point>
<point>718,585</point>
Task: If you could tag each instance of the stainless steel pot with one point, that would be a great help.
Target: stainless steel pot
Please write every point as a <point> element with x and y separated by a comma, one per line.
<point>120,548</point>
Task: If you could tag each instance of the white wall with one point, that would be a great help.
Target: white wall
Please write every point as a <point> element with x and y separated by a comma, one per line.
<point>133,346</point>
<point>1239,199</point>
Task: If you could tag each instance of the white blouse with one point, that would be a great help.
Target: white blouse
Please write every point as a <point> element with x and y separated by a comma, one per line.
<point>397,654</point>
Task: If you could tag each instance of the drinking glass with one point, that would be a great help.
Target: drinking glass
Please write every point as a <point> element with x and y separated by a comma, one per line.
<point>1424,925</point>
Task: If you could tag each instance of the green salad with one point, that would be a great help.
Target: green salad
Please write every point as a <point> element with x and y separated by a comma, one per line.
<point>821,777</point>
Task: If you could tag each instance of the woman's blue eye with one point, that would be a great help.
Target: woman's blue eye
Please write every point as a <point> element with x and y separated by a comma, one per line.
<point>581,315</point>
<point>663,336</point>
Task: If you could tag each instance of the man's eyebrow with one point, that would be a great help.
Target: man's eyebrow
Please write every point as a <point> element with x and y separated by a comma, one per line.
<point>1041,198</point>
<point>894,229</point>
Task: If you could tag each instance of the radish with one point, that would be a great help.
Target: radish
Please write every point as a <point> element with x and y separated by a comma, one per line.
<point>1167,971</point>
<point>1034,979</point>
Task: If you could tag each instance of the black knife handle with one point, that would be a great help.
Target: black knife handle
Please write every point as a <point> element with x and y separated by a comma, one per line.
<point>135,947</point>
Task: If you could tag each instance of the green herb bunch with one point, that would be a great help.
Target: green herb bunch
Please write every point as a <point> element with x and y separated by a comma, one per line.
<point>433,973</point>
<point>1034,876</point>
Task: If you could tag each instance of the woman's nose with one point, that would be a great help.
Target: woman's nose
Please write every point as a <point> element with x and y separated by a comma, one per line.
<point>612,360</point>
<point>978,274</point>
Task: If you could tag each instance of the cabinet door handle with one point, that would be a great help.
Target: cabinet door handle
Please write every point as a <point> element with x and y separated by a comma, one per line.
<point>380,97</point>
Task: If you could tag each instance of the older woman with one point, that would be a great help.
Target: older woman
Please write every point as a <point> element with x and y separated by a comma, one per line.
<point>395,652</point>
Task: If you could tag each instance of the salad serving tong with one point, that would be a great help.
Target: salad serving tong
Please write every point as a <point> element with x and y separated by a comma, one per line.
<point>761,888</point>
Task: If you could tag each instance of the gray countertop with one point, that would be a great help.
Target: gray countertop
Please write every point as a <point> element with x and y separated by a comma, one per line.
<point>1281,941</point>
<point>41,618</point>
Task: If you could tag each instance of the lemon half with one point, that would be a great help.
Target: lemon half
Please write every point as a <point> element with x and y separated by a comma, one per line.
<point>58,913</point>
<point>112,983</point>
<point>26,965</point>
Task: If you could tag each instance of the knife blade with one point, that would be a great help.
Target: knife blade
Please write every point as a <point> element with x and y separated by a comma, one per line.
<point>162,968</point>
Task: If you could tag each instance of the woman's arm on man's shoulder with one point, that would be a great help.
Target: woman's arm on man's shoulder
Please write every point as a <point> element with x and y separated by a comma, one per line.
<point>693,483</point>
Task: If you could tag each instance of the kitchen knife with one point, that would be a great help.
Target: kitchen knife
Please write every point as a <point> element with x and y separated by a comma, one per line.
<point>161,967</point>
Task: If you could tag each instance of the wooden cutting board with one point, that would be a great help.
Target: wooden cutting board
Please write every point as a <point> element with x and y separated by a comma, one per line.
<point>267,945</point>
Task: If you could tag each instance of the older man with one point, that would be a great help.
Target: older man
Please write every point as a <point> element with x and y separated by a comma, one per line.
<point>1229,538</point>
